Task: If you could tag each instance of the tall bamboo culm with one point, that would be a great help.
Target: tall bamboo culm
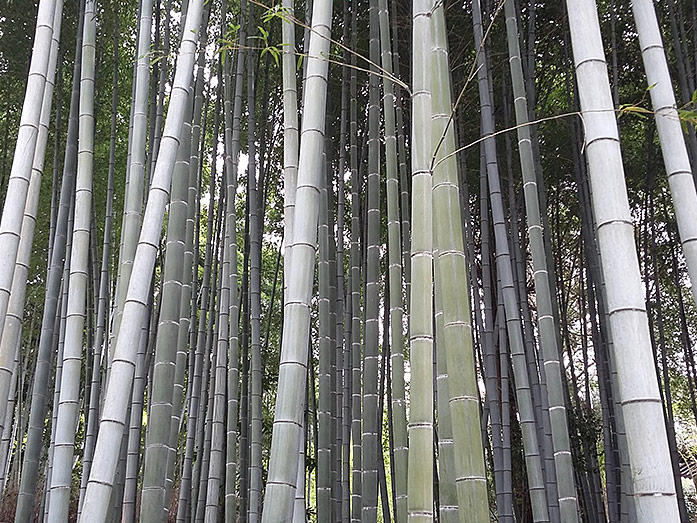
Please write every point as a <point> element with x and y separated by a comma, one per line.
<point>549,348</point>
<point>670,133</point>
<point>11,334</point>
<point>69,399</point>
<point>371,425</point>
<point>394,249</point>
<point>420,473</point>
<point>27,135</point>
<point>135,311</point>
<point>652,476</point>
<point>287,430</point>
<point>135,169</point>
<point>452,291</point>
<point>536,480</point>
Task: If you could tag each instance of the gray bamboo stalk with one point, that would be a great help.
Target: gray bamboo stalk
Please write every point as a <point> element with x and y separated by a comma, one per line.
<point>135,173</point>
<point>394,249</point>
<point>233,112</point>
<point>104,284</point>
<point>153,506</point>
<point>49,323</point>
<point>205,452</point>
<point>371,424</point>
<point>343,335</point>
<point>403,168</point>
<point>355,274</point>
<point>205,375</point>
<point>503,262</point>
<point>290,154</point>
<point>290,133</point>
<point>280,487</point>
<point>187,308</point>
<point>324,407</point>
<point>453,293</point>
<point>115,405</point>
<point>12,333</point>
<point>653,486</point>
<point>255,246</point>
<point>335,336</point>
<point>504,501</point>
<point>57,135</point>
<point>157,109</point>
<point>207,306</point>
<point>420,466</point>
<point>214,472</point>
<point>338,296</point>
<point>45,495</point>
<point>552,372</point>
<point>69,399</point>
<point>290,144</point>
<point>505,413</point>
<point>216,462</point>
<point>27,136</point>
<point>299,509</point>
<point>11,422</point>
<point>675,154</point>
<point>131,445</point>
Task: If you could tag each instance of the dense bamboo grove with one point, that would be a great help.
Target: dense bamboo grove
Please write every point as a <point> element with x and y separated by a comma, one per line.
<point>348,261</point>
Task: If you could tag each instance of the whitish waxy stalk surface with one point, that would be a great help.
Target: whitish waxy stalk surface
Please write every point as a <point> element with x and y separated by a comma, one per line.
<point>69,399</point>
<point>652,475</point>
<point>135,310</point>
<point>20,174</point>
<point>675,157</point>
<point>287,430</point>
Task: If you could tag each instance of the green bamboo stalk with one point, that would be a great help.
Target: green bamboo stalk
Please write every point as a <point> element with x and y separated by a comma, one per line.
<point>153,505</point>
<point>448,511</point>
<point>344,329</point>
<point>355,261</point>
<point>324,414</point>
<point>207,304</point>
<point>255,246</point>
<point>452,287</point>
<point>204,375</point>
<point>394,247</point>
<point>205,448</point>
<point>403,168</point>
<point>232,148</point>
<point>215,470</point>
<point>420,472</point>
